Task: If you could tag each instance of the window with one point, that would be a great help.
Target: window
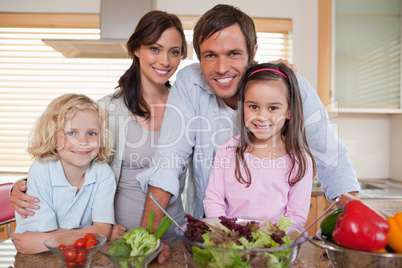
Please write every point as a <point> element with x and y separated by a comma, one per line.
<point>32,74</point>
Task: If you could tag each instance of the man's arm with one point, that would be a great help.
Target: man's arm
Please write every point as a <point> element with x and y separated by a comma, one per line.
<point>343,200</point>
<point>172,155</point>
<point>176,142</point>
<point>334,168</point>
<point>163,198</point>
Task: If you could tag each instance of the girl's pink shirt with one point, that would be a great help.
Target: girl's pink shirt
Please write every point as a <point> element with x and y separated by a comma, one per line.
<point>269,194</point>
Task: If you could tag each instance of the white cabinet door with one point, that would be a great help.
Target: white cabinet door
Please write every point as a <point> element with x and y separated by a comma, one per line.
<point>366,56</point>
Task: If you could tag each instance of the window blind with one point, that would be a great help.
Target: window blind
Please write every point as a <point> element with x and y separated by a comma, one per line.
<point>32,74</point>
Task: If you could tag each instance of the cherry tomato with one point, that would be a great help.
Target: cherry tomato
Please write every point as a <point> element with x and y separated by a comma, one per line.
<point>81,263</point>
<point>90,236</point>
<point>70,264</point>
<point>80,242</point>
<point>69,255</point>
<point>61,246</point>
<point>81,256</point>
<point>90,243</point>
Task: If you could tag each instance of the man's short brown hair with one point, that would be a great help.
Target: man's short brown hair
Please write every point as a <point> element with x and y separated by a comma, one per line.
<point>219,18</point>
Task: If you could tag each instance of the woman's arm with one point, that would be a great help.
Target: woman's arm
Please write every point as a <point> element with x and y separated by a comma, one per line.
<point>20,201</point>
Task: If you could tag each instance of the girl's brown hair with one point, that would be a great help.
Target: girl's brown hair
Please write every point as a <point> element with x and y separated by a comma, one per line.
<point>149,29</point>
<point>293,132</point>
<point>50,125</point>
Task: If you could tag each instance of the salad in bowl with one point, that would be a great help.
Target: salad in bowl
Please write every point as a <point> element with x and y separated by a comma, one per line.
<point>235,242</point>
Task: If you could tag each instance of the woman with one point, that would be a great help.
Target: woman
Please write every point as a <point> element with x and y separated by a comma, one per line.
<point>136,112</point>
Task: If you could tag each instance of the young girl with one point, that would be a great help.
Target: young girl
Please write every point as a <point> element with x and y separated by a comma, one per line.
<point>70,176</point>
<point>267,170</point>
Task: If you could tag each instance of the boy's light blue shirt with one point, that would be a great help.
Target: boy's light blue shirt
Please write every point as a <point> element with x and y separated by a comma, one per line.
<point>60,207</point>
<point>196,122</point>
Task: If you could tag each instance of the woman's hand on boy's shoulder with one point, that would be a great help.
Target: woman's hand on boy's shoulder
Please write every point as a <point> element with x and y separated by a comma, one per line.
<point>21,201</point>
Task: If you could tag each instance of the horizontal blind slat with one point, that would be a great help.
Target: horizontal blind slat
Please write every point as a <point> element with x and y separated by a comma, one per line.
<point>32,74</point>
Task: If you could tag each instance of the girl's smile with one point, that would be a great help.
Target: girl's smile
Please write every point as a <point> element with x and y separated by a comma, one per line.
<point>262,126</point>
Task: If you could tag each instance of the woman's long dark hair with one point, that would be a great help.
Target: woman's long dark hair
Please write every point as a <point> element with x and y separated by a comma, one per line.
<point>293,131</point>
<point>149,29</point>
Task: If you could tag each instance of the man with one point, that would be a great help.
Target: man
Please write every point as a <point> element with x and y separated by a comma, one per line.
<point>201,114</point>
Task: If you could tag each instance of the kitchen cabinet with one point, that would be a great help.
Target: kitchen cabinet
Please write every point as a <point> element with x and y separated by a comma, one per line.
<point>363,71</point>
<point>4,231</point>
<point>318,205</point>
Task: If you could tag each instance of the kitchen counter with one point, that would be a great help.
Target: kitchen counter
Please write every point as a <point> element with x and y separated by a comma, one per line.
<point>309,255</point>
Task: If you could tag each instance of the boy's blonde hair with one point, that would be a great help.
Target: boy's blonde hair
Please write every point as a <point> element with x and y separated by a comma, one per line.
<point>43,138</point>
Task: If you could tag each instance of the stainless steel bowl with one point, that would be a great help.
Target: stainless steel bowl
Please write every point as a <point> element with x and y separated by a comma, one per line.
<point>343,257</point>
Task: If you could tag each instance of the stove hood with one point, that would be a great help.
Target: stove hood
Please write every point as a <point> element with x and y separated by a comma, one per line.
<point>118,19</point>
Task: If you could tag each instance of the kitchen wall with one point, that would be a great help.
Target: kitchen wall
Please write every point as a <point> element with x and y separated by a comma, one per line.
<point>396,147</point>
<point>367,136</point>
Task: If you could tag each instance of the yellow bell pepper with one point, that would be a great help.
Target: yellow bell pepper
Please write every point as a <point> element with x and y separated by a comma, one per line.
<point>394,235</point>
<point>381,250</point>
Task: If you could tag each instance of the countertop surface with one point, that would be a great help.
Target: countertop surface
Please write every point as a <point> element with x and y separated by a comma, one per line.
<point>309,255</point>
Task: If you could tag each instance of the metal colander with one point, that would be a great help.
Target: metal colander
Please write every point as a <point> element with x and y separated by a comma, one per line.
<point>341,257</point>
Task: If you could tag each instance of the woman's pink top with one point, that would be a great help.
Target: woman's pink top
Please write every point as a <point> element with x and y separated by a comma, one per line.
<point>269,194</point>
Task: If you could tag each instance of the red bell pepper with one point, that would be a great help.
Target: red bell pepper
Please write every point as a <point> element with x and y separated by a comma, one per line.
<point>361,228</point>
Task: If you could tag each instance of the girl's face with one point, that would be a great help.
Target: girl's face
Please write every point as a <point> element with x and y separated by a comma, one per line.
<point>265,110</point>
<point>159,61</point>
<point>82,144</point>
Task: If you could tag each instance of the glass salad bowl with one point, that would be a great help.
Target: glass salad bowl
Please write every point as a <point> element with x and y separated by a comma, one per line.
<point>227,253</point>
<point>130,261</point>
<point>63,246</point>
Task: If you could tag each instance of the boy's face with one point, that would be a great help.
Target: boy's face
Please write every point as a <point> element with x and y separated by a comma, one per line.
<point>82,144</point>
<point>224,60</point>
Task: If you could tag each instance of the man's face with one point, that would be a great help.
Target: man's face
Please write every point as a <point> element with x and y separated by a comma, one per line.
<point>224,60</point>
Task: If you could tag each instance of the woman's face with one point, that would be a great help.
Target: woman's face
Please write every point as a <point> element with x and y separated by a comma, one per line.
<point>159,61</point>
